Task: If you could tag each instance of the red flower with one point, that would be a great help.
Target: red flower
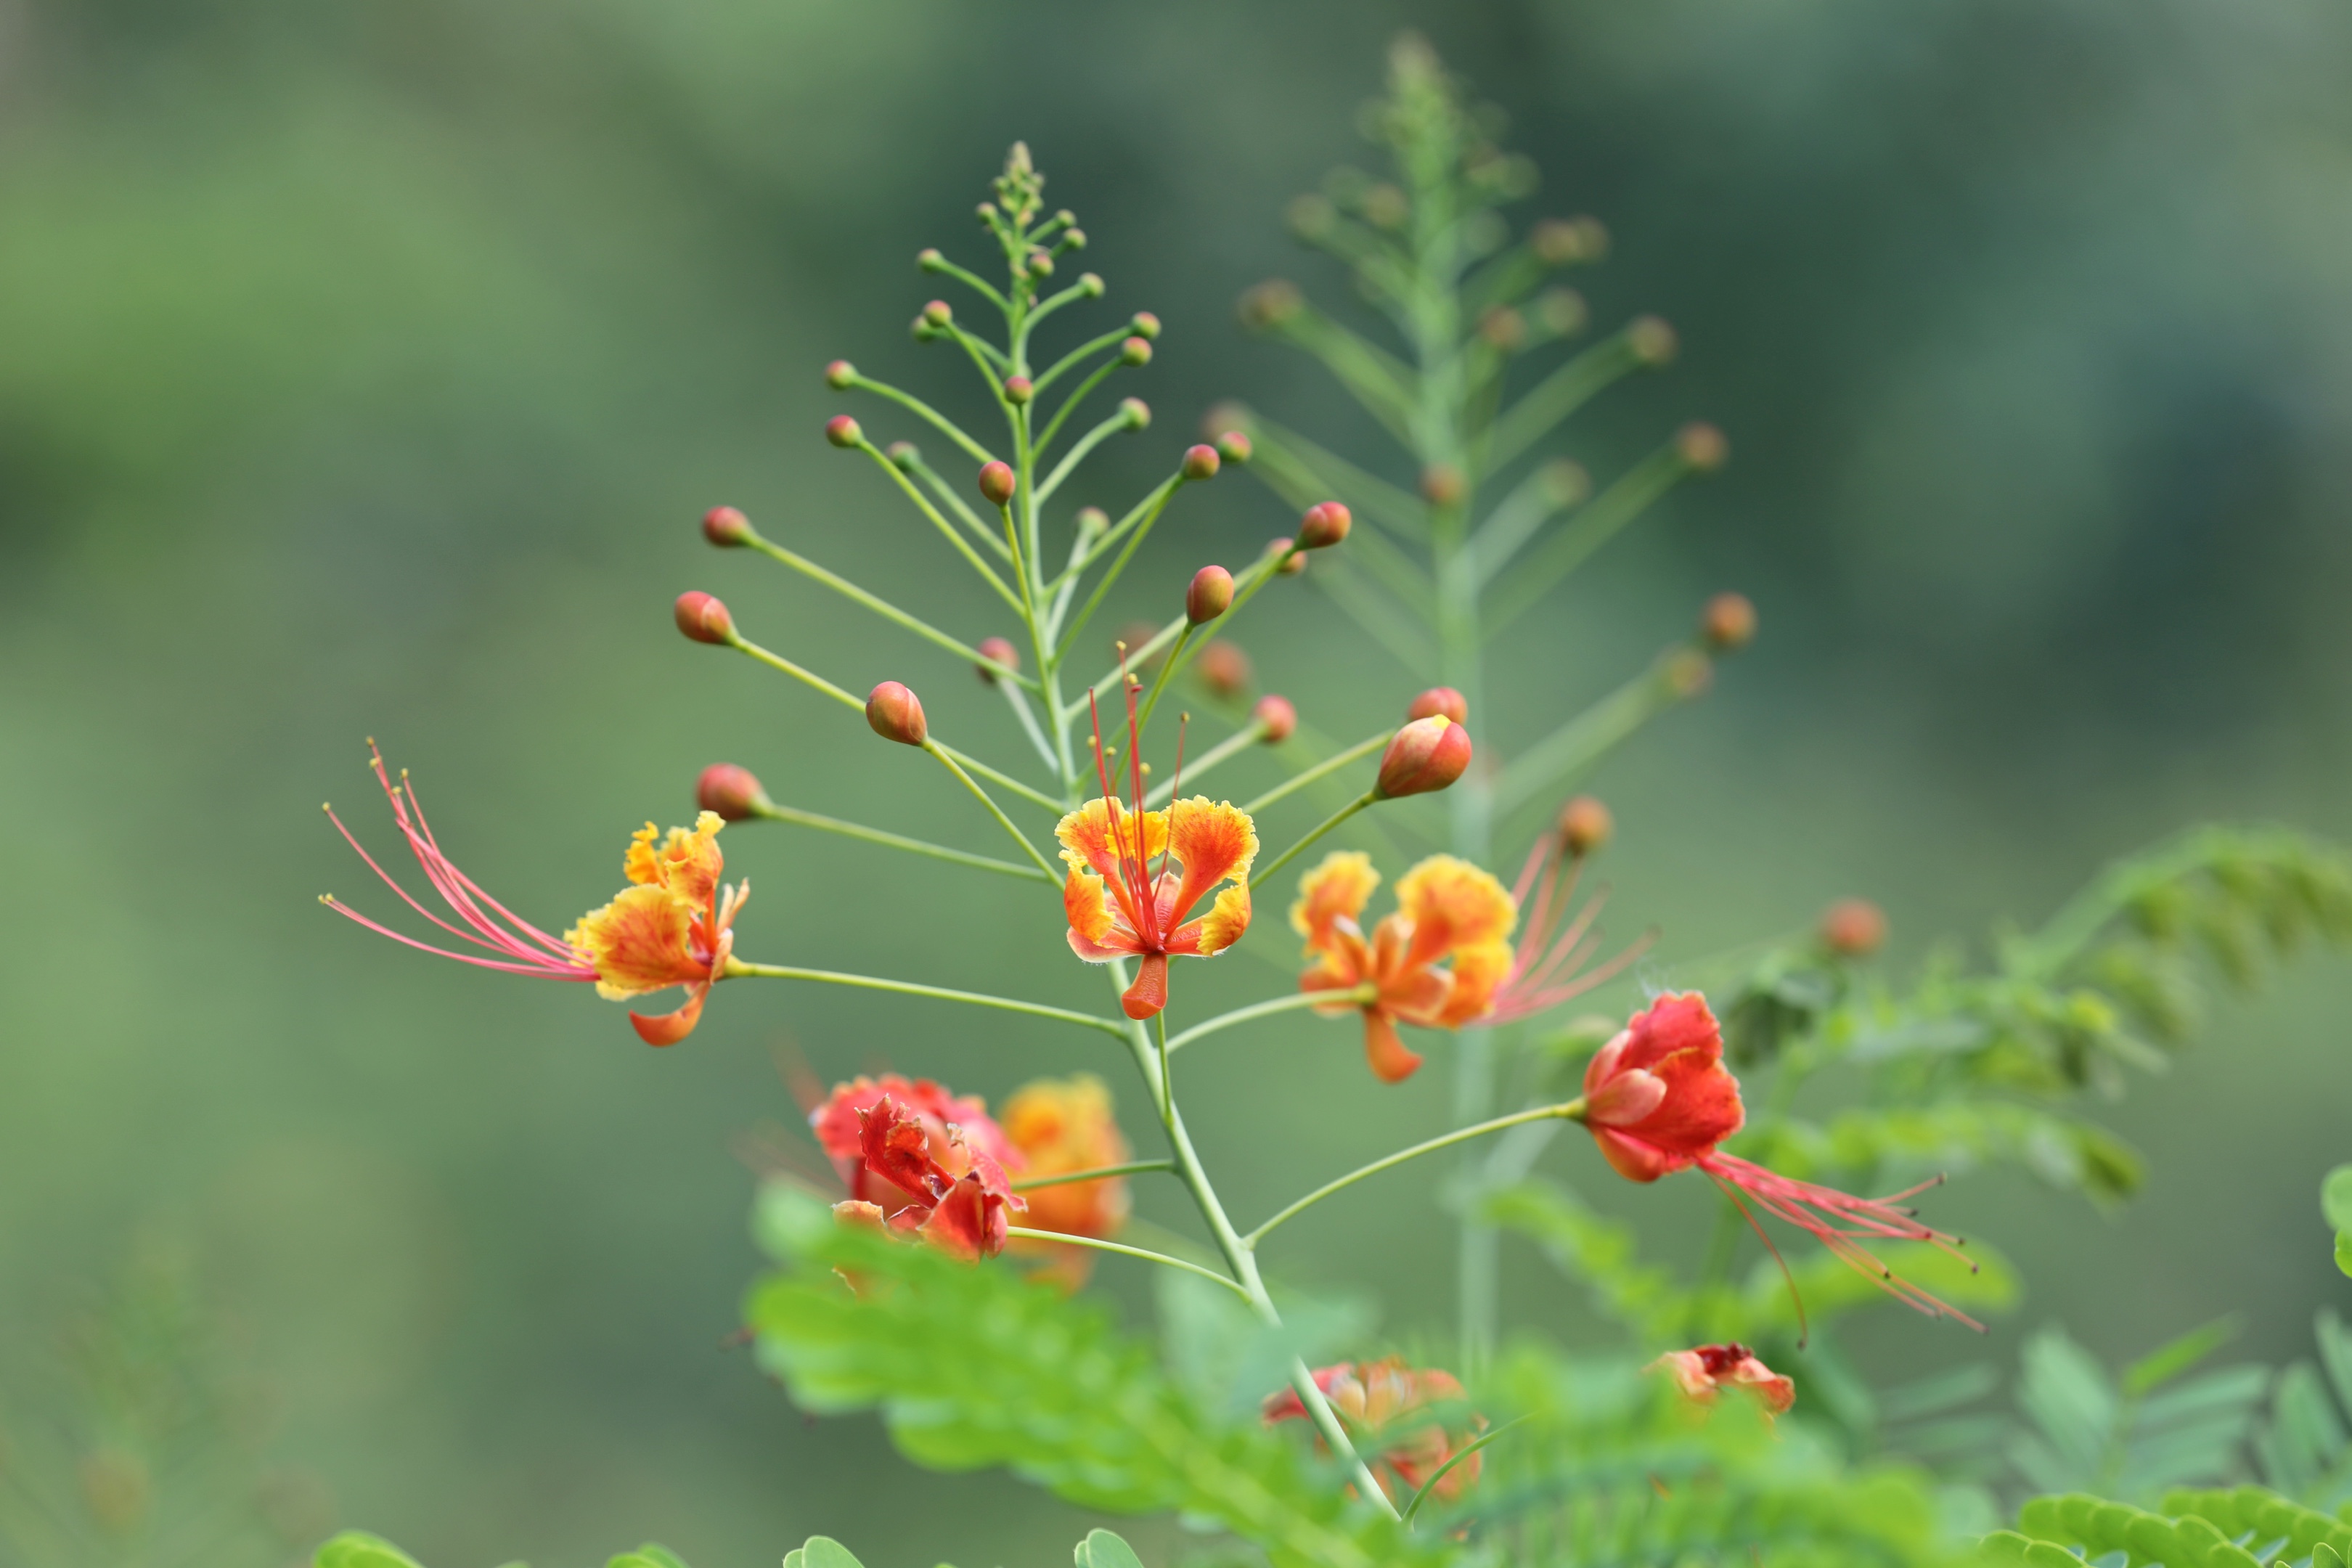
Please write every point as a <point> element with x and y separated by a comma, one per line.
<point>1658,1099</point>
<point>1702,1372</point>
<point>955,1127</point>
<point>1386,1406</point>
<point>962,1211</point>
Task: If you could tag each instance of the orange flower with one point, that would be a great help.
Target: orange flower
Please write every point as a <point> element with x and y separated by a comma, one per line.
<point>962,1206</point>
<point>1702,1372</point>
<point>1447,911</point>
<point>671,928</point>
<point>1385,1406</point>
<point>1061,1125</point>
<point>956,1127</point>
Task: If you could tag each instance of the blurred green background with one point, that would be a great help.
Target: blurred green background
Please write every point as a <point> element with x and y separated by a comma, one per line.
<point>363,369</point>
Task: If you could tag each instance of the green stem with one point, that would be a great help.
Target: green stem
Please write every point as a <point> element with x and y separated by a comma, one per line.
<point>739,969</point>
<point>938,421</point>
<point>807,678</point>
<point>977,284</point>
<point>998,776</point>
<point>994,810</point>
<point>1326,825</point>
<point>1100,1174</point>
<point>1240,741</point>
<point>1159,503</point>
<point>1027,1233</point>
<point>1167,667</point>
<point>899,841</point>
<point>883,607</point>
<point>954,535</point>
<point>1572,1111</point>
<point>1323,769</point>
<point>1267,1009</point>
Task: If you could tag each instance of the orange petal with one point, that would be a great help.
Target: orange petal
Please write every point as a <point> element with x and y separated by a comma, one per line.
<point>668,1028</point>
<point>1218,929</point>
<point>1148,995</point>
<point>1453,904</point>
<point>1392,1062</point>
<point>1082,901</point>
<point>1102,832</point>
<point>1214,842</point>
<point>1339,886</point>
<point>1478,970</point>
<point>640,941</point>
<point>687,863</point>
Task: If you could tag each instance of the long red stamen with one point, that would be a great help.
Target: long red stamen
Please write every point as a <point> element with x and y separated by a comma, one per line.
<point>1842,1222</point>
<point>1114,808</point>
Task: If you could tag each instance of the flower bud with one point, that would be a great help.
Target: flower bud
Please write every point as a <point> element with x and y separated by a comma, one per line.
<point>1211,595</point>
<point>1853,928</point>
<point>1441,484</point>
<point>1040,264</point>
<point>904,456</point>
<point>1385,206</point>
<point>842,431</point>
<point>1277,717</point>
<point>1688,672</point>
<point>1144,325</point>
<point>1075,239</point>
<point>1439,700</point>
<point>1002,651</point>
<point>996,483</point>
<point>1426,754</point>
<point>893,713</point>
<point>1652,341</point>
<point>1293,562</point>
<point>1585,825</point>
<point>724,526</point>
<point>1018,389</point>
<point>1092,521</point>
<point>1233,446</point>
<point>1559,242</point>
<point>930,259</point>
<point>1138,412</point>
<point>1565,482</point>
<point>1325,524</point>
<point>1561,311</point>
<point>1503,328</point>
<point>1225,415</point>
<point>1091,283</point>
<point>1135,350</point>
<point>1702,446</point>
<point>1727,623</point>
<point>731,792</point>
<point>1224,669</point>
<point>938,313</point>
<point>839,374</point>
<point>1201,462</point>
<point>1269,304</point>
<point>704,618</point>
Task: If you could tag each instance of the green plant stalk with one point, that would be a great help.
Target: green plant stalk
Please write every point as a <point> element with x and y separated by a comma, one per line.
<point>1568,1110</point>
<point>1326,825</point>
<point>1232,745</point>
<point>1320,770</point>
<point>994,810</point>
<point>1100,1173</point>
<point>739,969</point>
<point>1025,1233</point>
<point>1360,995</point>
<point>897,841</point>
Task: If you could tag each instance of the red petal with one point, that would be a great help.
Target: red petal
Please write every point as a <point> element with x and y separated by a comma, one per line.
<point>1678,1021</point>
<point>1633,1159</point>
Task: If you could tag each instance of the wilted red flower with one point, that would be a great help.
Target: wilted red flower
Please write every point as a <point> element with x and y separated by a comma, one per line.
<point>672,928</point>
<point>1658,1099</point>
<point>1448,912</point>
<point>1701,1373</point>
<point>956,1125</point>
<point>1120,905</point>
<point>1386,1406</point>
<point>962,1206</point>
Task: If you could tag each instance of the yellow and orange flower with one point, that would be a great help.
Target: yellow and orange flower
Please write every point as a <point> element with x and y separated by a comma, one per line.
<point>1449,912</point>
<point>1058,1126</point>
<point>1392,1410</point>
<point>672,928</point>
<point>1121,904</point>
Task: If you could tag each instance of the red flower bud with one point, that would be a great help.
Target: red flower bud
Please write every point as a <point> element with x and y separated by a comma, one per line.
<point>1090,281</point>
<point>1277,717</point>
<point>1441,484</point>
<point>842,431</point>
<point>1201,462</point>
<point>1145,325</point>
<point>730,790</point>
<point>938,313</point>
<point>704,618</point>
<point>1426,754</point>
<point>723,526</point>
<point>1224,669</point>
<point>1728,623</point>
<point>1853,928</point>
<point>996,483</point>
<point>1652,341</point>
<point>1324,525</point>
<point>839,374</point>
<point>894,714</point>
<point>1439,700</point>
<point>1293,562</point>
<point>1135,350</point>
<point>1702,446</point>
<point>930,259</point>
<point>1017,389</point>
<point>1040,264</point>
<point>1003,652</point>
<point>1585,825</point>
<point>1233,446</point>
<point>1211,595</point>
<point>1138,412</point>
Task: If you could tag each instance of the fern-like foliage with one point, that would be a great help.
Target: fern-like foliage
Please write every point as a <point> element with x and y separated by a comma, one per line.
<point>1974,1066</point>
<point>2241,1527</point>
<point>2301,1446</point>
<point>357,1548</point>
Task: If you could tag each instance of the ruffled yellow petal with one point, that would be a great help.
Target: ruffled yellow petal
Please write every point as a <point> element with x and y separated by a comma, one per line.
<point>640,941</point>
<point>687,863</point>
<point>1339,886</point>
<point>1213,841</point>
<point>1478,970</point>
<point>1453,905</point>
<point>1083,902</point>
<point>1227,918</point>
<point>1096,837</point>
